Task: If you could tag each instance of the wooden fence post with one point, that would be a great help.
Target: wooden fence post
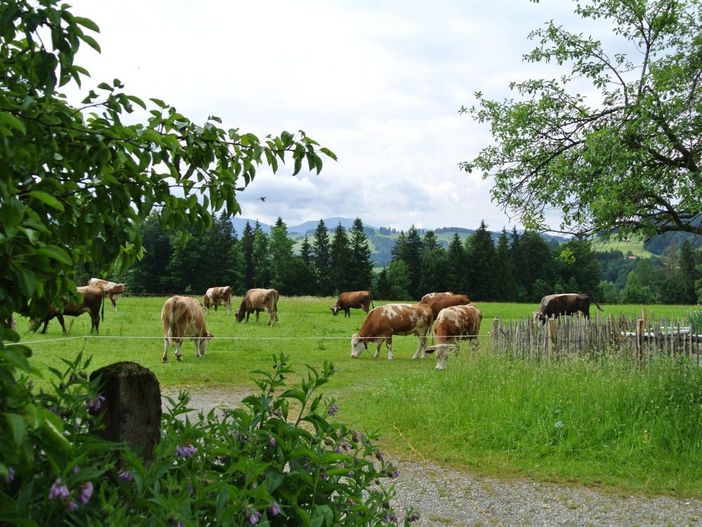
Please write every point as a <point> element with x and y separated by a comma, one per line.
<point>640,340</point>
<point>495,331</point>
<point>552,337</point>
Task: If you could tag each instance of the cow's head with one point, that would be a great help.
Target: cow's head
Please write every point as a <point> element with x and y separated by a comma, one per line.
<point>538,316</point>
<point>357,345</point>
<point>239,314</point>
<point>204,340</point>
<point>335,310</point>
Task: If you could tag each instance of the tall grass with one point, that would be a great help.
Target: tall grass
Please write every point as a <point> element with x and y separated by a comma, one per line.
<point>596,422</point>
<point>605,421</point>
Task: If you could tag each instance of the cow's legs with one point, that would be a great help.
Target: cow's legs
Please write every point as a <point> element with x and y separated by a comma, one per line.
<point>59,317</point>
<point>95,322</point>
<point>165,350</point>
<point>178,345</point>
<point>378,343</point>
<point>388,344</point>
<point>421,346</point>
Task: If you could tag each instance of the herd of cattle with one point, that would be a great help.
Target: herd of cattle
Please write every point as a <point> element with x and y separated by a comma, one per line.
<point>452,317</point>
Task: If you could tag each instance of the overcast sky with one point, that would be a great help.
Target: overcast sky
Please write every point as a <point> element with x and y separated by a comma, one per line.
<point>380,83</point>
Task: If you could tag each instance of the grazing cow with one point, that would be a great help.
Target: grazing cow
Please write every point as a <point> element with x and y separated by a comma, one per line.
<point>393,319</point>
<point>92,301</point>
<point>564,304</point>
<point>112,290</point>
<point>216,296</point>
<point>257,300</point>
<point>438,303</point>
<point>182,317</point>
<point>349,299</point>
<point>429,296</point>
<point>453,324</point>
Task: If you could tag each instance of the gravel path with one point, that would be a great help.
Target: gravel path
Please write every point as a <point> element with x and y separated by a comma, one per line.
<point>445,497</point>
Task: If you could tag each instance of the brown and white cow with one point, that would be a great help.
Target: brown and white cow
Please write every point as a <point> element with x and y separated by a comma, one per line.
<point>439,302</point>
<point>216,296</point>
<point>257,300</point>
<point>393,319</point>
<point>453,324</point>
<point>355,299</point>
<point>434,295</point>
<point>112,290</point>
<point>182,317</point>
<point>92,298</point>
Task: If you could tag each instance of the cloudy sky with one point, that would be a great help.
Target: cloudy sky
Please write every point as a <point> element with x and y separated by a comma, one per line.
<point>380,83</point>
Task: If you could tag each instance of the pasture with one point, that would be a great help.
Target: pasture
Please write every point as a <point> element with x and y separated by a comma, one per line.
<point>606,422</point>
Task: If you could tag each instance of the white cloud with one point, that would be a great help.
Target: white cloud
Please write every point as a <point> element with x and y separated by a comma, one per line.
<point>380,83</point>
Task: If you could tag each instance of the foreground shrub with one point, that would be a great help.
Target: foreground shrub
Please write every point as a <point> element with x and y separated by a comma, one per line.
<point>278,460</point>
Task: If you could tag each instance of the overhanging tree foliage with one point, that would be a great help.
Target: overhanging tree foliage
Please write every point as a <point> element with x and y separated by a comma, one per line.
<point>614,142</point>
<point>76,181</point>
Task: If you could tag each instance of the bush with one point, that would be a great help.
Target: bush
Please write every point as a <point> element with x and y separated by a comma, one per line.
<point>278,460</point>
<point>694,317</point>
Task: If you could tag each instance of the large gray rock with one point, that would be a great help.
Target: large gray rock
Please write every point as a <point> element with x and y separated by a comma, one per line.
<point>132,413</point>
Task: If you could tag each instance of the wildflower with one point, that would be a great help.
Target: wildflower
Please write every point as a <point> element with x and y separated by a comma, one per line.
<point>58,490</point>
<point>185,451</point>
<point>125,475</point>
<point>394,474</point>
<point>76,469</point>
<point>72,506</point>
<point>274,510</point>
<point>332,409</point>
<point>253,516</point>
<point>391,517</point>
<point>86,492</point>
<point>10,476</point>
<point>271,441</point>
<point>95,405</point>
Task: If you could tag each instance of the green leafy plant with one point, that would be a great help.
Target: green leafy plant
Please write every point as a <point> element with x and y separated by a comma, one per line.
<point>280,459</point>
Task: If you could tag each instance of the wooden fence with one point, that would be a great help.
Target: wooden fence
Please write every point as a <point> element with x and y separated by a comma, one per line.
<point>636,338</point>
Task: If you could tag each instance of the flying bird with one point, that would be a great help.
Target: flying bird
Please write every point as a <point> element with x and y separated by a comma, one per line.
<point>262,198</point>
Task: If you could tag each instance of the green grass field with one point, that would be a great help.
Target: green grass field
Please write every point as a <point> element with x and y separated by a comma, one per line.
<point>596,423</point>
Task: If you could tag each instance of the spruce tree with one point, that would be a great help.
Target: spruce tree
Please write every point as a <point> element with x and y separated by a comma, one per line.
<point>506,284</point>
<point>247,250</point>
<point>261,258</point>
<point>322,260</point>
<point>456,266</point>
<point>361,265</point>
<point>281,251</point>
<point>481,262</point>
<point>340,260</point>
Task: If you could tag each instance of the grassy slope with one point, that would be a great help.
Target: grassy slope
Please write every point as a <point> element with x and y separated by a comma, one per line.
<point>481,413</point>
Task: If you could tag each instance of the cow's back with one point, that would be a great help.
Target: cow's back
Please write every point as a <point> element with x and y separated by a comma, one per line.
<point>182,316</point>
<point>457,321</point>
<point>438,303</point>
<point>396,319</point>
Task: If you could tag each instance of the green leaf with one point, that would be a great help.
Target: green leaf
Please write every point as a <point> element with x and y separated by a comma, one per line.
<point>90,41</point>
<point>86,22</point>
<point>55,253</point>
<point>18,426</point>
<point>47,199</point>
<point>10,121</point>
<point>328,153</point>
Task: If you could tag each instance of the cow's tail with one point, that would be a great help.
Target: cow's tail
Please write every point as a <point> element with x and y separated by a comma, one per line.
<point>102,308</point>
<point>595,302</point>
<point>171,322</point>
